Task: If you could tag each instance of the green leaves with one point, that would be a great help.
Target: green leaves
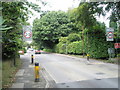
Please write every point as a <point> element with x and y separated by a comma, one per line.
<point>51,27</point>
<point>95,42</point>
<point>3,27</point>
<point>15,14</point>
<point>73,37</point>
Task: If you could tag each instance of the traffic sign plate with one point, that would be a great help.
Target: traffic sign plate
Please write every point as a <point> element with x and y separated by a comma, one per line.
<point>109,34</point>
<point>27,34</point>
<point>117,45</point>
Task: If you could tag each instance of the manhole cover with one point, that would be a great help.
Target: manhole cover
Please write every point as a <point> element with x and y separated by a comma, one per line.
<point>100,73</point>
<point>67,86</point>
<point>98,78</point>
<point>62,83</point>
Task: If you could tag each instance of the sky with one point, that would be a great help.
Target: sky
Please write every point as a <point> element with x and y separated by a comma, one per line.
<point>64,5</point>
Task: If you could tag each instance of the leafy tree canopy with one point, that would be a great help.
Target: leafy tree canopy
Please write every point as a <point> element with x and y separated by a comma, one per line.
<point>53,25</point>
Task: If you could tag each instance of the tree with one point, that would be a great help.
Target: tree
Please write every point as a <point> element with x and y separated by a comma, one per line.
<point>50,27</point>
<point>84,17</point>
<point>115,7</point>
<point>14,15</point>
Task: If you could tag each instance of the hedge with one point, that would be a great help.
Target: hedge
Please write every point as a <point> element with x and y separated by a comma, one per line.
<point>75,47</point>
<point>97,46</point>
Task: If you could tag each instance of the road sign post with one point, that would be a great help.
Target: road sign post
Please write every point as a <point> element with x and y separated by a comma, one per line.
<point>109,34</point>
<point>32,59</point>
<point>111,53</point>
<point>109,37</point>
<point>27,33</point>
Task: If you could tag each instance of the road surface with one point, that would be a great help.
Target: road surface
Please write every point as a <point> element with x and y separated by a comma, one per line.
<point>70,72</point>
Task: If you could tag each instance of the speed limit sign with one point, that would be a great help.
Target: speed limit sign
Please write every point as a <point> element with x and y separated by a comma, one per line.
<point>27,34</point>
<point>109,34</point>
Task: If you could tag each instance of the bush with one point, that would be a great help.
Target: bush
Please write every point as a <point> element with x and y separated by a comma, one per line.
<point>60,48</point>
<point>73,37</point>
<point>75,47</point>
<point>24,50</point>
<point>65,44</point>
<point>118,55</point>
<point>48,50</point>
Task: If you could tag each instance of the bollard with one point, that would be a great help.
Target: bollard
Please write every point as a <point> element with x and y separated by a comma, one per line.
<point>36,72</point>
<point>32,58</point>
<point>88,57</point>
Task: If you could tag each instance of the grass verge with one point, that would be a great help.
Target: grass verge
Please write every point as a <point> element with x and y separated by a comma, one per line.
<point>9,71</point>
<point>113,60</point>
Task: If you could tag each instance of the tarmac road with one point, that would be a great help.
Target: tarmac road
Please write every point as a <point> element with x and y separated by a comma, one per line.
<point>72,72</point>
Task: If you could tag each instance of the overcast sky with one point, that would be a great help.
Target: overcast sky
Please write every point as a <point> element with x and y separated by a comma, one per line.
<point>64,5</point>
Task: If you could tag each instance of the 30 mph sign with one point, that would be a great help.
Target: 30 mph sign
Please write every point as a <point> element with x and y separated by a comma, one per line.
<point>109,34</point>
<point>27,34</point>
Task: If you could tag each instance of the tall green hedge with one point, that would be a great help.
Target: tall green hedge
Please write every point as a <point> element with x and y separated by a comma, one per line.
<point>75,47</point>
<point>97,47</point>
<point>95,43</point>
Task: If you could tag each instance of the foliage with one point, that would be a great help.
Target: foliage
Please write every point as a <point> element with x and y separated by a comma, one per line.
<point>3,27</point>
<point>115,7</point>
<point>75,47</point>
<point>69,44</point>
<point>84,14</point>
<point>96,45</point>
<point>73,37</point>
<point>8,72</point>
<point>50,27</point>
<point>48,50</point>
<point>91,32</point>
<point>61,46</point>
<point>14,15</point>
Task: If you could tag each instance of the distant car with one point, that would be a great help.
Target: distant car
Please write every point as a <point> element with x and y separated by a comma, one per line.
<point>31,49</point>
<point>37,51</point>
<point>21,52</point>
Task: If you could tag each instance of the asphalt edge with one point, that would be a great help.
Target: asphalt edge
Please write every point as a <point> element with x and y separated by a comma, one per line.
<point>50,83</point>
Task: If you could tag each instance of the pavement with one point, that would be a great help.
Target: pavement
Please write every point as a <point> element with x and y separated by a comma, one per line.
<point>25,77</point>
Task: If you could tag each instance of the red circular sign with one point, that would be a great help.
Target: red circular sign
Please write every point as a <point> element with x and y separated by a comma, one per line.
<point>110,35</point>
<point>27,34</point>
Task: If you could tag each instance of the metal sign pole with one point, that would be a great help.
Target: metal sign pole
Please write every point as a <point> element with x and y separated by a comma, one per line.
<point>109,37</point>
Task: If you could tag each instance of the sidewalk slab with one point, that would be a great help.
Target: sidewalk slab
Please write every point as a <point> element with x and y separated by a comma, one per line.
<point>20,72</point>
<point>18,85</point>
<point>25,77</point>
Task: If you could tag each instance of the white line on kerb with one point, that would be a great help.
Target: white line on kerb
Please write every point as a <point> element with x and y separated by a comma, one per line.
<point>47,83</point>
